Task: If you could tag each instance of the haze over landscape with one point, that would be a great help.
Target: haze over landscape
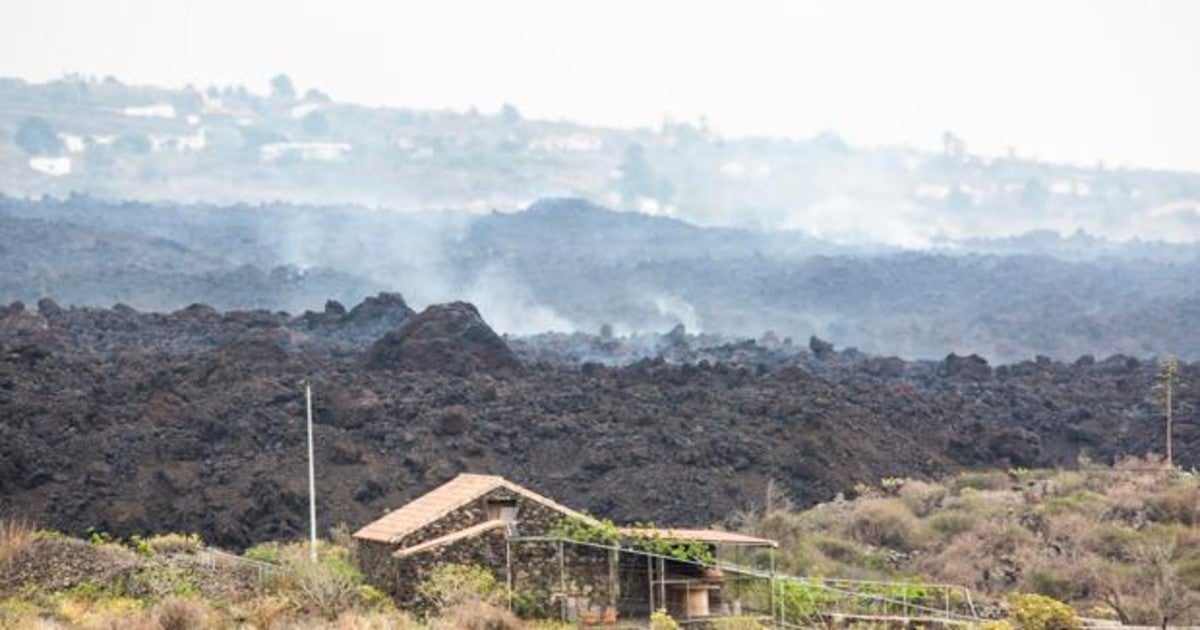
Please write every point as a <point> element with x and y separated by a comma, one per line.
<point>900,285</point>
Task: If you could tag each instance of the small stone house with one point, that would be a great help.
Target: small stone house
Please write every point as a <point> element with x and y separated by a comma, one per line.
<point>489,521</point>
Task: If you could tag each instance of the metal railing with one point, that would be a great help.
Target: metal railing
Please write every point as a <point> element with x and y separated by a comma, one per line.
<point>797,602</point>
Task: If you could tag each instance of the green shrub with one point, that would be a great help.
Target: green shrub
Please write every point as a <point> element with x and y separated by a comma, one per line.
<point>266,552</point>
<point>375,599</point>
<point>529,604</point>
<point>173,543</point>
<point>1115,541</point>
<point>1050,580</point>
<point>1083,502</point>
<point>163,581</point>
<point>16,612</point>
<point>660,620</point>
<point>97,537</point>
<point>327,586</point>
<point>988,480</point>
<point>1038,612</point>
<point>448,585</point>
<point>1066,482</point>
<point>140,546</point>
<point>951,524</point>
<point>885,522</point>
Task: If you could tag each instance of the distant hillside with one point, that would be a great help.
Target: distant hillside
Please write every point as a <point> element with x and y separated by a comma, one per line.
<point>226,144</point>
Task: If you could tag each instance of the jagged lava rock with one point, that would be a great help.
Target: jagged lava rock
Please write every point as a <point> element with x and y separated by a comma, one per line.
<point>450,338</point>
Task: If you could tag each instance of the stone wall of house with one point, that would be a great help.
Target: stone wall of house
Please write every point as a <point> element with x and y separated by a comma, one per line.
<point>581,578</point>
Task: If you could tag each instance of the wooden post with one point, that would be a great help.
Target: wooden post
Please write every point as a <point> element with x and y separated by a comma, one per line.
<point>650,581</point>
<point>662,582</point>
<point>508,576</point>
<point>772,554</point>
<point>613,559</point>
<point>562,578</point>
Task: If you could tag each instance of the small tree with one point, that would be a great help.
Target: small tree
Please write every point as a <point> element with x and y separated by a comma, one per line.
<point>1164,588</point>
<point>282,88</point>
<point>36,136</point>
<point>1164,397</point>
<point>315,124</point>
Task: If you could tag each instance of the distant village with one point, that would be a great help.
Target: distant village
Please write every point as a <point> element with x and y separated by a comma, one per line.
<point>101,136</point>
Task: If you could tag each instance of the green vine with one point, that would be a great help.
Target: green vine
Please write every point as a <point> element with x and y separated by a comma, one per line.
<point>646,537</point>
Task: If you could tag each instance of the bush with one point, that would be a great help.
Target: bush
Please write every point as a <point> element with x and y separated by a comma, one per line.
<point>18,612</point>
<point>327,587</point>
<point>990,480</point>
<point>1052,580</point>
<point>475,615</point>
<point>660,620</point>
<point>885,522</point>
<point>163,581</point>
<point>374,599</point>
<point>951,524</point>
<point>175,543</point>
<point>266,613</point>
<point>921,498</point>
<point>177,613</point>
<point>1038,612</point>
<point>266,552</point>
<point>37,137</point>
<point>1179,503</point>
<point>92,607</point>
<point>531,604</point>
<point>449,585</point>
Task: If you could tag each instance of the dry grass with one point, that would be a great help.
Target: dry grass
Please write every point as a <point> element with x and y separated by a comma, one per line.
<point>15,537</point>
<point>178,613</point>
<point>175,543</point>
<point>376,621</point>
<point>475,615</point>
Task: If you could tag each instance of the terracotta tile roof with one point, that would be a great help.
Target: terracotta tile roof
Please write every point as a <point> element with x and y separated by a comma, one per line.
<point>469,532</point>
<point>441,501</point>
<point>710,536</point>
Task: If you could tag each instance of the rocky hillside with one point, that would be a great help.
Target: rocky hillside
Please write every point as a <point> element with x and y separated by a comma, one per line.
<point>193,420</point>
<point>1117,542</point>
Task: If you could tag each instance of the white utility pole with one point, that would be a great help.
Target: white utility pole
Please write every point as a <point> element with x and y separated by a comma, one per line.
<point>312,478</point>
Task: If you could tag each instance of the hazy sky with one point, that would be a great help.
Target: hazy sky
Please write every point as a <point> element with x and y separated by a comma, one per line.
<point>1076,81</point>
